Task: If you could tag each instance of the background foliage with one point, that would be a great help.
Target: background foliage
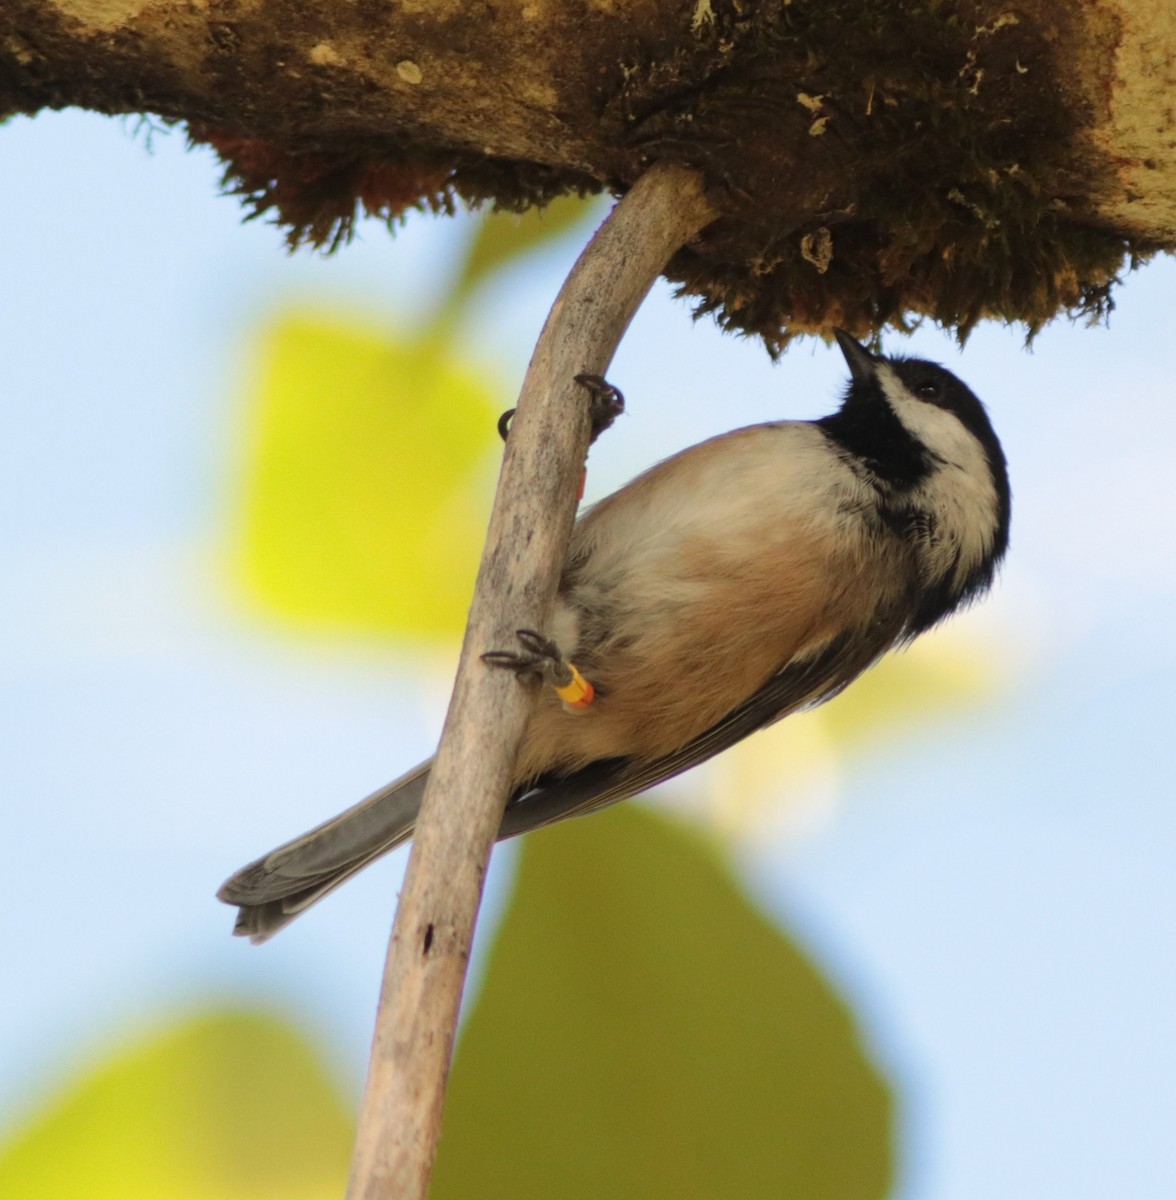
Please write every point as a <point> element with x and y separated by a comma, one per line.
<point>229,608</point>
<point>673,1042</point>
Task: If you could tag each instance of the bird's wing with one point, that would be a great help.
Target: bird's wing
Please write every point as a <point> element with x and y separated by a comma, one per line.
<point>799,685</point>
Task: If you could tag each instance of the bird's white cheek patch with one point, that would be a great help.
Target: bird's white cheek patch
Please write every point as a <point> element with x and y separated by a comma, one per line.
<point>960,490</point>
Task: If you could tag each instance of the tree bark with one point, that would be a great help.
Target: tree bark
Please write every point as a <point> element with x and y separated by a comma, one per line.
<point>963,160</point>
<point>525,549</point>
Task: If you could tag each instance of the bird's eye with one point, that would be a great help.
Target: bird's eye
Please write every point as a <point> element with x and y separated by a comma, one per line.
<point>928,389</point>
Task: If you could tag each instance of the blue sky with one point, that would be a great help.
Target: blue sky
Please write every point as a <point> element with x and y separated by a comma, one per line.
<point>996,892</point>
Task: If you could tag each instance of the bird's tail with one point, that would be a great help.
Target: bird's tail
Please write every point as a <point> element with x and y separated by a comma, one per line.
<point>272,891</point>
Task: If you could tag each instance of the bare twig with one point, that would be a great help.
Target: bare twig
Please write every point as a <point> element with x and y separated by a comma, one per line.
<point>525,547</point>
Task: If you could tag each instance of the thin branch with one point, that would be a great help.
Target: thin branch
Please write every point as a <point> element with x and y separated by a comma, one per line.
<point>525,547</point>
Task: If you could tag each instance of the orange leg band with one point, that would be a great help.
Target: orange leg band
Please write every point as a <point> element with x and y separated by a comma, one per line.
<point>579,693</point>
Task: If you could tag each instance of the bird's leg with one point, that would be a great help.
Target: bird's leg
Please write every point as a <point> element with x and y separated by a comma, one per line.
<point>605,404</point>
<point>540,656</point>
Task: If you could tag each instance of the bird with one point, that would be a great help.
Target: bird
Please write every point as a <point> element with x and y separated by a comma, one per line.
<point>743,579</point>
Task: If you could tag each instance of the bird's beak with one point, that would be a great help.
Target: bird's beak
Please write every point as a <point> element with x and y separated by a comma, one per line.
<point>859,360</point>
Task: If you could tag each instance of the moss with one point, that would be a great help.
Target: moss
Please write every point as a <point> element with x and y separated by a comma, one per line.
<point>876,163</point>
<point>319,197</point>
<point>948,163</point>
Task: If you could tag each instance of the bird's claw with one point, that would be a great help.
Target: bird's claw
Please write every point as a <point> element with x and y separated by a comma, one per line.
<point>605,404</point>
<point>540,656</point>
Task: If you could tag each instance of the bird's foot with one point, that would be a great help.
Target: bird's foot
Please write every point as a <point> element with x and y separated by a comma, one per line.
<point>540,656</point>
<point>605,404</point>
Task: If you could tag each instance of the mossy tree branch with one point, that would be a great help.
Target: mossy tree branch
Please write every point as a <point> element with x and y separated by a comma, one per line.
<point>960,159</point>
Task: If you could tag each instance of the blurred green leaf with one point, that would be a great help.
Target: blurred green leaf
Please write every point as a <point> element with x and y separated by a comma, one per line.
<point>502,236</point>
<point>232,1106</point>
<point>367,479</point>
<point>644,1032</point>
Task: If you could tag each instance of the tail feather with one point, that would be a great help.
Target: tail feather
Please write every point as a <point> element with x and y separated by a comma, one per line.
<point>271,891</point>
<point>274,889</point>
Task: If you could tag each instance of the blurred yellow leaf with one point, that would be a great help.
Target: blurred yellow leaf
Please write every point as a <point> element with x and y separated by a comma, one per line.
<point>939,676</point>
<point>502,236</point>
<point>367,479</point>
<point>643,1032</point>
<point>232,1106</point>
<point>787,774</point>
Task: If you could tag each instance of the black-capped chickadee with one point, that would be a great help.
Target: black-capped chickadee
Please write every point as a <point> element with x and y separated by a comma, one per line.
<point>747,577</point>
